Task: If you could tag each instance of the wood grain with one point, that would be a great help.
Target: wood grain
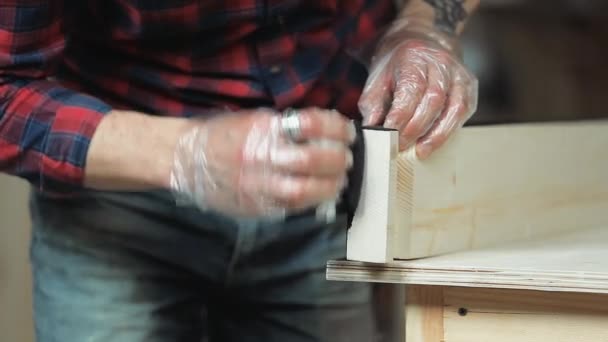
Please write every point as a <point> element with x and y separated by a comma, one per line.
<point>424,314</point>
<point>507,182</point>
<point>488,185</point>
<point>523,316</point>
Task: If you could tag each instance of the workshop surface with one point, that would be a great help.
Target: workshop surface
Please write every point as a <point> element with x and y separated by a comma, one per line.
<point>553,289</point>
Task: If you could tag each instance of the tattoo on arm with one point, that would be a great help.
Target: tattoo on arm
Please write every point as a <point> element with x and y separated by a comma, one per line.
<point>448,14</point>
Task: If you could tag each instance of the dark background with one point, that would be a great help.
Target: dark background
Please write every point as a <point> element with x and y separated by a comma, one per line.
<point>539,60</point>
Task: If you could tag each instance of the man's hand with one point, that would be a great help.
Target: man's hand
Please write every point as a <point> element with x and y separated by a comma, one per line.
<point>423,91</point>
<point>236,163</point>
<point>418,84</point>
<point>241,163</point>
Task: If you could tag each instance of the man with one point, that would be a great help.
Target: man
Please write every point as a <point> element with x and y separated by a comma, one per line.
<point>171,202</point>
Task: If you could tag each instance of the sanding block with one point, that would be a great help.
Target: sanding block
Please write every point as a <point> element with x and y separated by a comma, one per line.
<point>354,198</point>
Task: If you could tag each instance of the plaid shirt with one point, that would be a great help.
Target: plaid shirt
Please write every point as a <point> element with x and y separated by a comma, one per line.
<point>66,63</point>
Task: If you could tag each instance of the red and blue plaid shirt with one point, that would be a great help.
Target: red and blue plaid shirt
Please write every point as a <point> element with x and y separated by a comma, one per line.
<point>66,63</point>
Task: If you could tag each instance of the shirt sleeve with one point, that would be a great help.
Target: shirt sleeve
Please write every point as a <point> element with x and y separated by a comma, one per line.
<point>45,129</point>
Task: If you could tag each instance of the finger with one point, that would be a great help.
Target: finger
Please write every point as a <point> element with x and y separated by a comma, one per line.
<point>323,124</point>
<point>462,103</point>
<point>296,192</point>
<point>377,94</point>
<point>327,160</point>
<point>411,84</point>
<point>430,107</point>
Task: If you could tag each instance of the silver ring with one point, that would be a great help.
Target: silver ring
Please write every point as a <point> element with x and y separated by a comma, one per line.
<point>290,125</point>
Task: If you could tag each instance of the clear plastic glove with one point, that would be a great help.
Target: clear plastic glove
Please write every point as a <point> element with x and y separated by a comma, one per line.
<point>240,164</point>
<point>418,85</point>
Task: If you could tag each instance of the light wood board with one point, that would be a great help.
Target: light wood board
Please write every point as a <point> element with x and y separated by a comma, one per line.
<point>459,314</point>
<point>424,313</point>
<point>522,316</point>
<point>488,185</point>
<point>575,262</point>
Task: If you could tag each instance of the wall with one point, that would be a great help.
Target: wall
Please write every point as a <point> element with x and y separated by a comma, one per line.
<point>15,278</point>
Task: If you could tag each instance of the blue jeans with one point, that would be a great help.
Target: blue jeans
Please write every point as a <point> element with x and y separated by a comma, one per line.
<point>136,267</point>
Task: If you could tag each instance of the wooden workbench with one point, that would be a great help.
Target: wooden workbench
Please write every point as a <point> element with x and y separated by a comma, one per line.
<point>553,289</point>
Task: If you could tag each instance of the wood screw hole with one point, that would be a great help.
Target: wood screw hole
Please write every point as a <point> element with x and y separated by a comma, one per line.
<point>463,311</point>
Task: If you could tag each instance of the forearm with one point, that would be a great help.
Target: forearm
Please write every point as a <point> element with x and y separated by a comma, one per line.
<point>133,151</point>
<point>441,21</point>
<point>61,140</point>
<point>448,16</point>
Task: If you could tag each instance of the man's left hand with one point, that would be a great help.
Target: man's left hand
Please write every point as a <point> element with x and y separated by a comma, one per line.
<point>422,89</point>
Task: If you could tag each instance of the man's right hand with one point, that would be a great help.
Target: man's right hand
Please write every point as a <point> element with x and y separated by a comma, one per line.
<point>241,164</point>
<point>236,163</point>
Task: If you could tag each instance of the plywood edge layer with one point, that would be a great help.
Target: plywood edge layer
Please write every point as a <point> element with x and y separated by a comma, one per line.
<point>553,285</point>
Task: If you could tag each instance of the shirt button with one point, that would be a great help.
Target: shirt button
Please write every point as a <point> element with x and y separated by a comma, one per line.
<point>275,69</point>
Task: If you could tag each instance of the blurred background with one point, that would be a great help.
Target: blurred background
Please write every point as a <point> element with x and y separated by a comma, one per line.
<point>537,60</point>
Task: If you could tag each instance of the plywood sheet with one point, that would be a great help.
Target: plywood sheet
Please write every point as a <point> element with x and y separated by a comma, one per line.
<point>575,261</point>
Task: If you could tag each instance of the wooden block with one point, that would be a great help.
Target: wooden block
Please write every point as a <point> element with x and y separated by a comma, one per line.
<point>457,314</point>
<point>573,262</point>
<point>374,223</point>
<point>488,185</point>
<point>480,315</point>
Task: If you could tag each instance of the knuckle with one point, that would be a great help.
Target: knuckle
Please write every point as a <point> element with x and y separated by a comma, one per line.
<point>464,110</point>
<point>436,93</point>
<point>365,105</point>
<point>414,128</point>
<point>305,161</point>
<point>337,121</point>
<point>296,195</point>
<point>403,101</point>
<point>337,162</point>
<point>403,143</point>
<point>444,58</point>
<point>440,137</point>
<point>310,124</point>
<point>438,85</point>
<point>412,77</point>
<point>364,101</point>
<point>287,191</point>
<point>333,161</point>
<point>436,108</point>
<point>414,44</point>
<point>394,120</point>
<point>461,78</point>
